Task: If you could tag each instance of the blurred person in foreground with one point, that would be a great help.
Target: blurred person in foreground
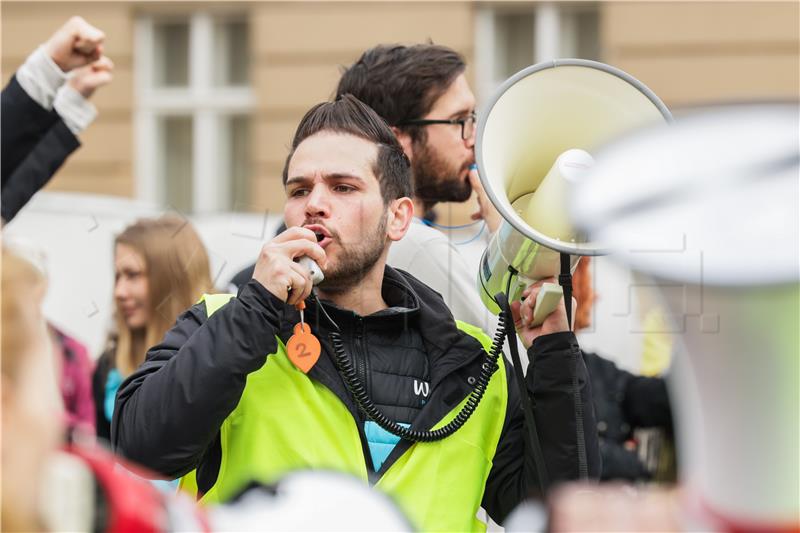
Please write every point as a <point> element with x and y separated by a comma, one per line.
<point>31,410</point>
<point>73,365</point>
<point>219,402</point>
<point>161,268</point>
<point>45,106</point>
<point>48,485</point>
<point>422,92</point>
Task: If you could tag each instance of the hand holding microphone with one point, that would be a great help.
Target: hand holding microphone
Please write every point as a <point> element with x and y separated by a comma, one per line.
<point>288,267</point>
<point>287,263</point>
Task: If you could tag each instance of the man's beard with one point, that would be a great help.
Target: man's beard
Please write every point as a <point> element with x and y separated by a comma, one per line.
<point>356,259</point>
<point>435,180</point>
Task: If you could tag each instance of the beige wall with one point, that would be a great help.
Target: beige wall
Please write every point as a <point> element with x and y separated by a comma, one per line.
<point>691,53</point>
<point>298,49</point>
<point>687,52</point>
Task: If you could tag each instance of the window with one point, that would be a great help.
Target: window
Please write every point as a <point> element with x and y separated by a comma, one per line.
<point>231,53</point>
<point>580,33</point>
<point>514,43</point>
<point>193,111</point>
<point>513,36</point>
<point>175,159</point>
<point>171,61</point>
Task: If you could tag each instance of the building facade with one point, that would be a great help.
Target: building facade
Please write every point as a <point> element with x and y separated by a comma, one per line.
<point>206,96</point>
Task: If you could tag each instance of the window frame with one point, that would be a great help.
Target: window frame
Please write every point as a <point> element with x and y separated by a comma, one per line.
<point>552,23</point>
<point>208,104</point>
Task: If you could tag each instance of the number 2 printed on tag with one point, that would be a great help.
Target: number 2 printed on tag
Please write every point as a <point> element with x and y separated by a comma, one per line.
<point>303,347</point>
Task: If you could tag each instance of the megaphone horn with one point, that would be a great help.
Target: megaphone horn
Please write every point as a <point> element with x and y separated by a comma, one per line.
<point>535,136</point>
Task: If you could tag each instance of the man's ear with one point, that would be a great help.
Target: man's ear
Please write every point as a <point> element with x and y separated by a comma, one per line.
<point>405,141</point>
<point>401,211</point>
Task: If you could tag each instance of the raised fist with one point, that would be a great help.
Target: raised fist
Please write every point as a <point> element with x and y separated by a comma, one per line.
<point>75,44</point>
<point>87,79</point>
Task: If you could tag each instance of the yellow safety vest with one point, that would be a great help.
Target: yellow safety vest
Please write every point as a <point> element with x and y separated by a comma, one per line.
<point>286,421</point>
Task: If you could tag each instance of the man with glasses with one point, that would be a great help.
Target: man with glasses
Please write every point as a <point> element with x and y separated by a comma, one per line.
<point>422,93</point>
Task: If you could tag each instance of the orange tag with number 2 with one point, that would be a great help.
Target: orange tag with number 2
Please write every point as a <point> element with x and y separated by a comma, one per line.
<point>303,347</point>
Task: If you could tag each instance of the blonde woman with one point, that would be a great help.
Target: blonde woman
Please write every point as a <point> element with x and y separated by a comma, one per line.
<point>160,269</point>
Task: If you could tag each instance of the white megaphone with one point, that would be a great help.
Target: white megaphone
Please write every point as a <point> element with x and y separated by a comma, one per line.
<point>535,136</point>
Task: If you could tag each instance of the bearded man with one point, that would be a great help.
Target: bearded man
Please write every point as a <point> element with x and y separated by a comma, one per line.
<point>238,391</point>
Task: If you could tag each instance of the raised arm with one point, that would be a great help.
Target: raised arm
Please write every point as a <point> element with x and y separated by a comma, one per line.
<point>558,384</point>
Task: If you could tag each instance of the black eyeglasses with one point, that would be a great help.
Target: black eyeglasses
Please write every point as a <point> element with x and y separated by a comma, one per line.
<point>467,124</point>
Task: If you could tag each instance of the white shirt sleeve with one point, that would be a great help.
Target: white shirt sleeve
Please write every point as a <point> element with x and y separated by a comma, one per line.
<point>76,111</point>
<point>430,257</point>
<point>40,78</point>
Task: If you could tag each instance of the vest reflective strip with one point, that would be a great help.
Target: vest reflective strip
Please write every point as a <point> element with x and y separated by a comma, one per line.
<point>286,421</point>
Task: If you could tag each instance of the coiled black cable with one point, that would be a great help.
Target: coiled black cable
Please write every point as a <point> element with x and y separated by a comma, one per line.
<point>488,368</point>
<point>365,403</point>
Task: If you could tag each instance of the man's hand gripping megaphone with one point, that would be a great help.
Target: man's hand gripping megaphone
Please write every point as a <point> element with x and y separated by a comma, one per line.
<point>522,312</point>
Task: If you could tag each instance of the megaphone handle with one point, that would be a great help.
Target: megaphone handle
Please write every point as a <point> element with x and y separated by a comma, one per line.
<point>546,302</point>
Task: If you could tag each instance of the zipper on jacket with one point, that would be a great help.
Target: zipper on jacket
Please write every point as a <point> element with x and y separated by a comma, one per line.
<point>364,358</point>
<point>360,354</point>
<point>360,359</point>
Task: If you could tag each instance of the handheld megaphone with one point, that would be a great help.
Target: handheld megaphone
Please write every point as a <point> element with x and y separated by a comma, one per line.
<point>536,135</point>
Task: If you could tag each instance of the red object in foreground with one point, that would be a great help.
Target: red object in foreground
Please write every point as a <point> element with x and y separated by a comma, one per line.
<point>132,503</point>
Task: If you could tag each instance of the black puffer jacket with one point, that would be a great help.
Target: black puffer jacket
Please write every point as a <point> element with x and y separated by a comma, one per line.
<point>168,413</point>
<point>622,403</point>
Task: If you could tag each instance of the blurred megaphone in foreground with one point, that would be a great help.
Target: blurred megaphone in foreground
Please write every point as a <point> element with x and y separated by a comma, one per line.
<point>536,136</point>
<point>712,219</point>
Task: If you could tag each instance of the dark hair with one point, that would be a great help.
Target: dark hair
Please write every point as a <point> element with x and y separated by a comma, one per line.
<point>347,114</point>
<point>402,82</point>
